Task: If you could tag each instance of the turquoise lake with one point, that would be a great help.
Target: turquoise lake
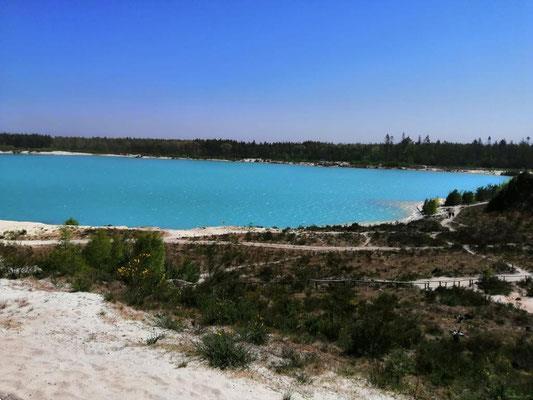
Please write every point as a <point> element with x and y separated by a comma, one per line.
<point>99,190</point>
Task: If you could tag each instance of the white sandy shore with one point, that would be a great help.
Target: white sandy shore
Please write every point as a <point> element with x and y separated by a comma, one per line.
<point>41,229</point>
<point>64,346</point>
<point>259,160</point>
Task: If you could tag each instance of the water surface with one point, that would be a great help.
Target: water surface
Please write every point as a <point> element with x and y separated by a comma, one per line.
<point>185,193</point>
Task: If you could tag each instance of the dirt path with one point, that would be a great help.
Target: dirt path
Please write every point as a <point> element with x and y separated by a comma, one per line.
<point>448,220</point>
<point>313,248</point>
<point>281,246</point>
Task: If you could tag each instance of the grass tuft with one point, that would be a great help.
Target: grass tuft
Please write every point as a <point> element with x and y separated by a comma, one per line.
<point>222,350</point>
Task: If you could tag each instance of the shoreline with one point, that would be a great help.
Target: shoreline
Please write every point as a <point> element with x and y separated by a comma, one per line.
<point>33,228</point>
<point>325,164</point>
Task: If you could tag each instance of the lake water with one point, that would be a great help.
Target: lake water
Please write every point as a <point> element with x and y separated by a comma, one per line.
<point>185,193</point>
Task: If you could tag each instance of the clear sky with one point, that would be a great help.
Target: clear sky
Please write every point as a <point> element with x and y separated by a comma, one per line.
<point>340,71</point>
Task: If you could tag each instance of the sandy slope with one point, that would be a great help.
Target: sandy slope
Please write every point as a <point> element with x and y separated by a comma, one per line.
<point>59,345</point>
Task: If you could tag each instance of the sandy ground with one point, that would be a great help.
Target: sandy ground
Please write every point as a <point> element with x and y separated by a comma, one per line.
<point>60,345</point>
<point>38,229</point>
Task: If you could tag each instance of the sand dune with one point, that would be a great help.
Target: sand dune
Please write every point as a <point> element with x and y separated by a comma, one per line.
<point>59,345</point>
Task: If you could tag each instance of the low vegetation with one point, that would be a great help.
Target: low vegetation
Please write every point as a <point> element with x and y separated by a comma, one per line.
<point>223,350</point>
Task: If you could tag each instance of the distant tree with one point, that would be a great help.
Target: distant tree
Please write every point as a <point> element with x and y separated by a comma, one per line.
<point>485,193</point>
<point>468,197</point>
<point>454,198</point>
<point>497,154</point>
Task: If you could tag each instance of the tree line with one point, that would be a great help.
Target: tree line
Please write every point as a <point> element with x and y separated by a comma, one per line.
<point>389,153</point>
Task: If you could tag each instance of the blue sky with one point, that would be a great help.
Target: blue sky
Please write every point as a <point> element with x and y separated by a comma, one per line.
<point>340,71</point>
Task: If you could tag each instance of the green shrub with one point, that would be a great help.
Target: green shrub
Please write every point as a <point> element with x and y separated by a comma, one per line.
<point>144,272</point>
<point>222,350</point>
<point>223,311</point>
<point>165,321</point>
<point>97,253</point>
<point>189,272</point>
<point>151,244</point>
<point>65,259</point>
<point>291,360</point>
<point>468,197</point>
<point>255,332</point>
<point>490,284</point>
<point>83,279</point>
<point>390,372</point>
<point>218,311</point>
<point>522,353</point>
<point>476,367</point>
<point>430,206</point>
<point>457,296</point>
<point>17,261</point>
<point>454,198</point>
<point>379,326</point>
<point>71,221</point>
<point>486,193</point>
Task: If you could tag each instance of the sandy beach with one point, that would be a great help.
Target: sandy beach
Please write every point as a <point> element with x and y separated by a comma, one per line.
<point>36,230</point>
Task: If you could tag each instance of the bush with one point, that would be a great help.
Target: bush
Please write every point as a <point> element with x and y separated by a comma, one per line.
<point>71,221</point>
<point>222,350</point>
<point>151,245</point>
<point>167,322</point>
<point>65,259</point>
<point>17,261</point>
<point>97,253</point>
<point>189,272</point>
<point>378,327</point>
<point>457,296</point>
<point>522,353</point>
<point>223,311</point>
<point>292,360</point>
<point>477,367</point>
<point>454,198</point>
<point>486,193</point>
<point>255,332</point>
<point>83,279</point>
<point>390,372</point>
<point>490,284</point>
<point>468,198</point>
<point>218,311</point>
<point>144,272</point>
<point>430,206</point>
